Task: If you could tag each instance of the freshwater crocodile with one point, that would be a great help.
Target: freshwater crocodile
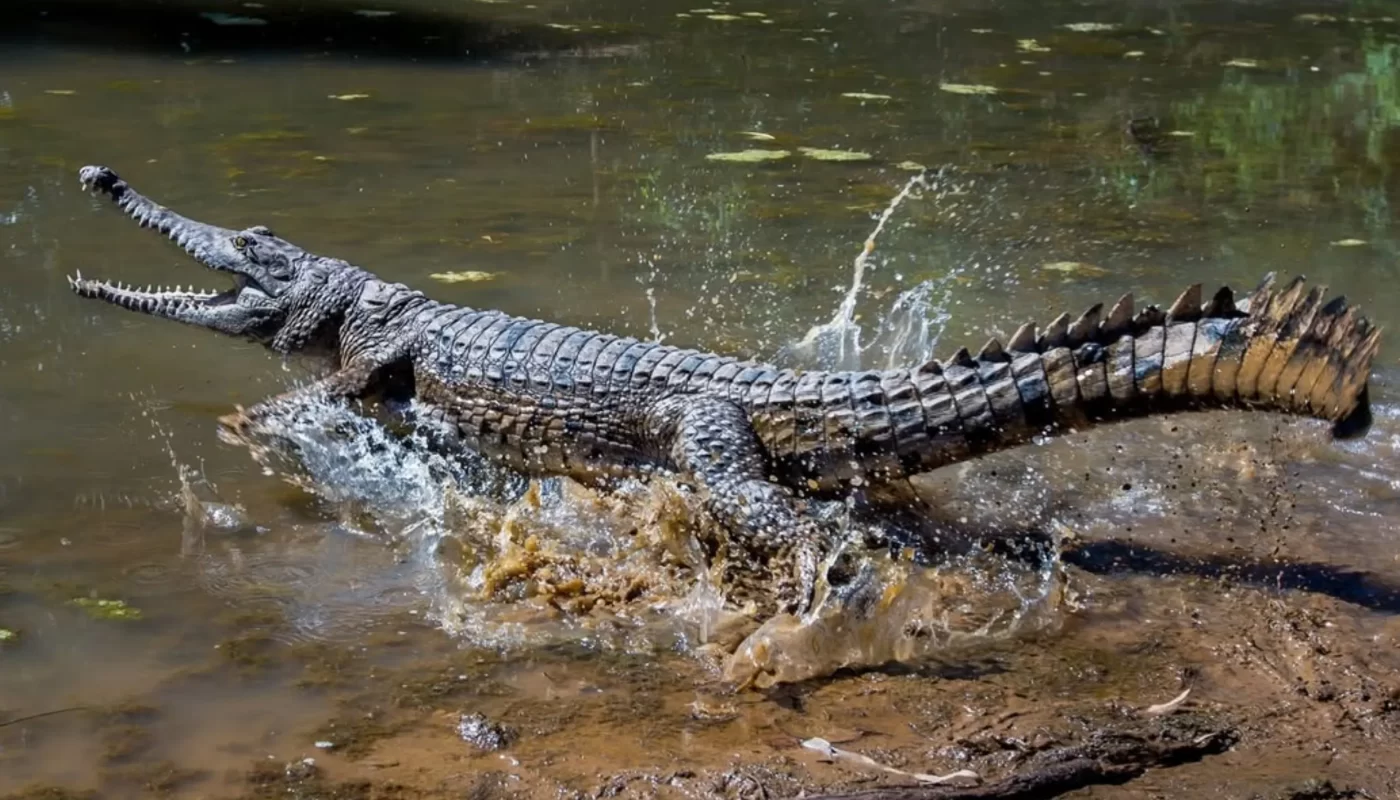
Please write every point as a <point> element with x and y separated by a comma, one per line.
<point>755,440</point>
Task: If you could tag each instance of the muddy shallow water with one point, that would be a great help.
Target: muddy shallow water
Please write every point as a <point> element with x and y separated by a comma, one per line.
<point>563,173</point>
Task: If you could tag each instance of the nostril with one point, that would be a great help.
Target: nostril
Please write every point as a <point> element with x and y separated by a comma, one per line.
<point>102,178</point>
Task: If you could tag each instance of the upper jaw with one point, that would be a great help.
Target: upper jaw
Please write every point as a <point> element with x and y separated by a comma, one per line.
<point>205,242</point>
<point>202,241</point>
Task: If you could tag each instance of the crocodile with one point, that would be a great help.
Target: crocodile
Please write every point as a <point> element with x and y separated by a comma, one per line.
<point>757,442</point>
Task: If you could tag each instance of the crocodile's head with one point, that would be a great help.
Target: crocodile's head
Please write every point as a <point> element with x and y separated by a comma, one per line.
<point>272,277</point>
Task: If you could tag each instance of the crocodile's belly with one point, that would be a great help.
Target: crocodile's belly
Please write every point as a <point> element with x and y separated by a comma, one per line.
<point>538,434</point>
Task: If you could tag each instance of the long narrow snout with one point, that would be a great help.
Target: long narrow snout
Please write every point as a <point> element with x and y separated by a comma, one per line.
<point>244,310</point>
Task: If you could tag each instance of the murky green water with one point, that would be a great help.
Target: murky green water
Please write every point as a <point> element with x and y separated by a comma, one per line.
<point>580,181</point>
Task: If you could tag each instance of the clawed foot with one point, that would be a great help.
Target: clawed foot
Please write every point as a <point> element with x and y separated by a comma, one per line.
<point>242,426</point>
<point>259,428</point>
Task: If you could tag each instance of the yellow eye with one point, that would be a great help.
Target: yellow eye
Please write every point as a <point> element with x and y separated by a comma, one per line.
<point>240,242</point>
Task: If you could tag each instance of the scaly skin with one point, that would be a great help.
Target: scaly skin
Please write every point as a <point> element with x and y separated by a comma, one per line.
<point>547,399</point>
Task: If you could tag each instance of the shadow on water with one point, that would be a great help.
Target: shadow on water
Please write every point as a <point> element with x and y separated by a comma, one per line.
<point>1353,586</point>
<point>290,30</point>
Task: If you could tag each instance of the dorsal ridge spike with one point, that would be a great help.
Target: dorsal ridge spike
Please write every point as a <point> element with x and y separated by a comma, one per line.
<point>1120,319</point>
<point>1086,327</point>
<point>931,367</point>
<point>1055,334</point>
<point>992,351</point>
<point>1221,304</point>
<point>1256,301</point>
<point>1023,340</point>
<point>962,358</point>
<point>1187,307</point>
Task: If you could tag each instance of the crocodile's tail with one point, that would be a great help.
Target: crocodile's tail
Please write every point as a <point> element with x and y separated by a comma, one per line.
<point>1282,350</point>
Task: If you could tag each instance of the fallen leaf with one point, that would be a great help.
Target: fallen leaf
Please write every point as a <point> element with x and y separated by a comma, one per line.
<point>758,136</point>
<point>1350,243</point>
<point>1134,54</point>
<point>866,96</point>
<point>749,156</point>
<point>348,96</point>
<point>820,154</point>
<point>967,88</point>
<point>1075,268</point>
<point>1244,63</point>
<point>722,17</point>
<point>61,92</point>
<point>1090,27</point>
<point>232,19</point>
<point>464,276</point>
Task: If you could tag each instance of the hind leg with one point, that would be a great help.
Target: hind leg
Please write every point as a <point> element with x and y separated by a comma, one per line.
<point>774,550</point>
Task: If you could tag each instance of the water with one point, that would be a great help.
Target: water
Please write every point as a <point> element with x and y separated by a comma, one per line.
<point>577,177</point>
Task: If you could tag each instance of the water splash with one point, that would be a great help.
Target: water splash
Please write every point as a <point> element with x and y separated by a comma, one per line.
<point>906,333</point>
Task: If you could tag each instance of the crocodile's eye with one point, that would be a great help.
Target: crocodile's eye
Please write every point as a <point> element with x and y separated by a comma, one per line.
<point>240,242</point>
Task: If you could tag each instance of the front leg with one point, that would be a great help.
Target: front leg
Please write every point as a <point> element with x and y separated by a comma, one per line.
<point>347,383</point>
<point>774,551</point>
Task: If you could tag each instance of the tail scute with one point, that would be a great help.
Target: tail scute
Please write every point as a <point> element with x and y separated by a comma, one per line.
<point>1283,349</point>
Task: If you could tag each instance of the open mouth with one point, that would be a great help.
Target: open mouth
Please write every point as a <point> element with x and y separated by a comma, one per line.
<point>195,238</point>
